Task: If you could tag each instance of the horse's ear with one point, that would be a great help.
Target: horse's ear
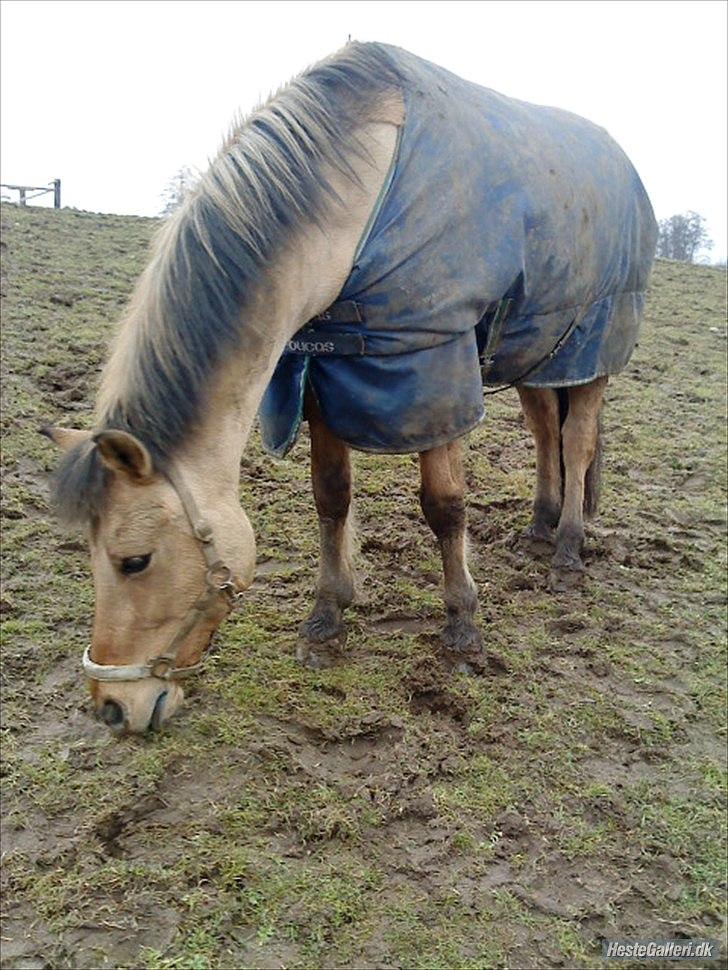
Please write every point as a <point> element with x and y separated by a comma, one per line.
<point>124,454</point>
<point>65,438</point>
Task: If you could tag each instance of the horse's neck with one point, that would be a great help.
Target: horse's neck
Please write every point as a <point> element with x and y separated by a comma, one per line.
<point>305,280</point>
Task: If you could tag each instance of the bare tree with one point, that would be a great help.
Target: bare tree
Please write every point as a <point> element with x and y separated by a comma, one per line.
<point>177,190</point>
<point>682,237</point>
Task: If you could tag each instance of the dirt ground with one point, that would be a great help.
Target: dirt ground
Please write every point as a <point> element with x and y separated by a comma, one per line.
<point>386,812</point>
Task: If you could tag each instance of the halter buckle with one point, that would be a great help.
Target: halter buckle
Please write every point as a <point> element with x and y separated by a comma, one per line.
<point>203,532</point>
<point>219,576</point>
<point>161,667</point>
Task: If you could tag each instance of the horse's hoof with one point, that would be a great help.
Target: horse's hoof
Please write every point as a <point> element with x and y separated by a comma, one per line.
<point>538,543</point>
<point>565,577</point>
<point>539,532</point>
<point>462,636</point>
<point>537,540</point>
<point>323,625</point>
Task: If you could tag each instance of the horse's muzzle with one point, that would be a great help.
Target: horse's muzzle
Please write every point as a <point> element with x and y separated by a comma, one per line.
<point>131,710</point>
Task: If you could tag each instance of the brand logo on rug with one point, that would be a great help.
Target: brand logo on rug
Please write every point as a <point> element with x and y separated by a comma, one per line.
<point>311,346</point>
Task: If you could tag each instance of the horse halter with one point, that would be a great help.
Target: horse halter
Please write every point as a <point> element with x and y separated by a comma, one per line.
<point>218,583</point>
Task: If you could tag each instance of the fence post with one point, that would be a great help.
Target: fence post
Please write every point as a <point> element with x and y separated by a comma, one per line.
<point>56,193</point>
<point>22,196</point>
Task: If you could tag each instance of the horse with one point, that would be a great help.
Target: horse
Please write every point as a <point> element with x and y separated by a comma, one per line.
<point>369,248</point>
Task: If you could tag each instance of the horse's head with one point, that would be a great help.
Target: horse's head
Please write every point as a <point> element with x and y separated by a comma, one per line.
<point>165,576</point>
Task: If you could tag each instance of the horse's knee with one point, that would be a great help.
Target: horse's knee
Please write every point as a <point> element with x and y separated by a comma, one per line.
<point>332,490</point>
<point>441,490</point>
<point>445,514</point>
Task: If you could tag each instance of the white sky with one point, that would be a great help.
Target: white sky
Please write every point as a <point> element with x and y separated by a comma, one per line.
<point>114,97</point>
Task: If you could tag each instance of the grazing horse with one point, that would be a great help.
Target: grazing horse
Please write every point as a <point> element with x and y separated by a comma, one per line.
<point>367,250</point>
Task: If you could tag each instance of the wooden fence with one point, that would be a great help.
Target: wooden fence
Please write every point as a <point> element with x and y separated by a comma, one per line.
<point>24,198</point>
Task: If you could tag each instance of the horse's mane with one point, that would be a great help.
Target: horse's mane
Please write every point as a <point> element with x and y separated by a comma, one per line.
<point>208,257</point>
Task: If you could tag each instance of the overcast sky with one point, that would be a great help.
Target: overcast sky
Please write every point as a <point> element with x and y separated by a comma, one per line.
<point>114,97</point>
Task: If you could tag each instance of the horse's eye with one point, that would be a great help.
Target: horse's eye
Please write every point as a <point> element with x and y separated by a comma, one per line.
<point>135,564</point>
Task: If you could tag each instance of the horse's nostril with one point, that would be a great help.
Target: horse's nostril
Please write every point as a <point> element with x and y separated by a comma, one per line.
<point>112,714</point>
<point>156,723</point>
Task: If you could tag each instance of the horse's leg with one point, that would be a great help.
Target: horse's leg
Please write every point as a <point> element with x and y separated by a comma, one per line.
<point>579,440</point>
<point>443,503</point>
<point>331,479</point>
<point>541,410</point>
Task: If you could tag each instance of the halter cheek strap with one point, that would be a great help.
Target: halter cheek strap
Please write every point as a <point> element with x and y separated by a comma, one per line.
<point>218,583</point>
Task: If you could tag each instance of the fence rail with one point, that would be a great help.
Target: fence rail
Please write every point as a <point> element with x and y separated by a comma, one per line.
<point>24,198</point>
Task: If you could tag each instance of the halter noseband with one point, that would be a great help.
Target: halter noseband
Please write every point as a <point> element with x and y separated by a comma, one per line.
<point>218,582</point>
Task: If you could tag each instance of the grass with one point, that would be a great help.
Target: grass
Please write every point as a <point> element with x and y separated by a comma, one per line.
<point>382,812</point>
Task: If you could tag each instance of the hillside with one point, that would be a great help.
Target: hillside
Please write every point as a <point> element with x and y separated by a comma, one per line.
<point>382,813</point>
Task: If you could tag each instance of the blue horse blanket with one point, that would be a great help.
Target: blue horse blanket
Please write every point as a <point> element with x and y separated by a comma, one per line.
<point>505,230</point>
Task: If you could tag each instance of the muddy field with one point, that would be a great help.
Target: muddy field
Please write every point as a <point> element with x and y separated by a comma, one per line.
<point>384,813</point>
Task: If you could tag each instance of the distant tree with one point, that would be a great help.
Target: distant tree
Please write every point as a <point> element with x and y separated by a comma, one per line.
<point>177,190</point>
<point>682,237</point>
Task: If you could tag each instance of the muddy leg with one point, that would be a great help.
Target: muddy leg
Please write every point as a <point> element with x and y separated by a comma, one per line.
<point>541,411</point>
<point>442,500</point>
<point>579,439</point>
<point>331,479</point>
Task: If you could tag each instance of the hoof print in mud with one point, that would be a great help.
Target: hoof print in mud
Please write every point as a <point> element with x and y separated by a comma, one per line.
<point>318,655</point>
<point>564,578</point>
<point>473,666</point>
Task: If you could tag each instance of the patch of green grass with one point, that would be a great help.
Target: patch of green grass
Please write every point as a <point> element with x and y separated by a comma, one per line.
<point>484,789</point>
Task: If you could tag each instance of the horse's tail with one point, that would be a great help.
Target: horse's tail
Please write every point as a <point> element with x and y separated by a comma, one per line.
<point>593,478</point>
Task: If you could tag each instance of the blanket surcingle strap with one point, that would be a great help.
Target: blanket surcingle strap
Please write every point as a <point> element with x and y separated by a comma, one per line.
<point>511,243</point>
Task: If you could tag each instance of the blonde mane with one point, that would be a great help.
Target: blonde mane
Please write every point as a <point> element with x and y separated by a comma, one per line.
<point>187,311</point>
